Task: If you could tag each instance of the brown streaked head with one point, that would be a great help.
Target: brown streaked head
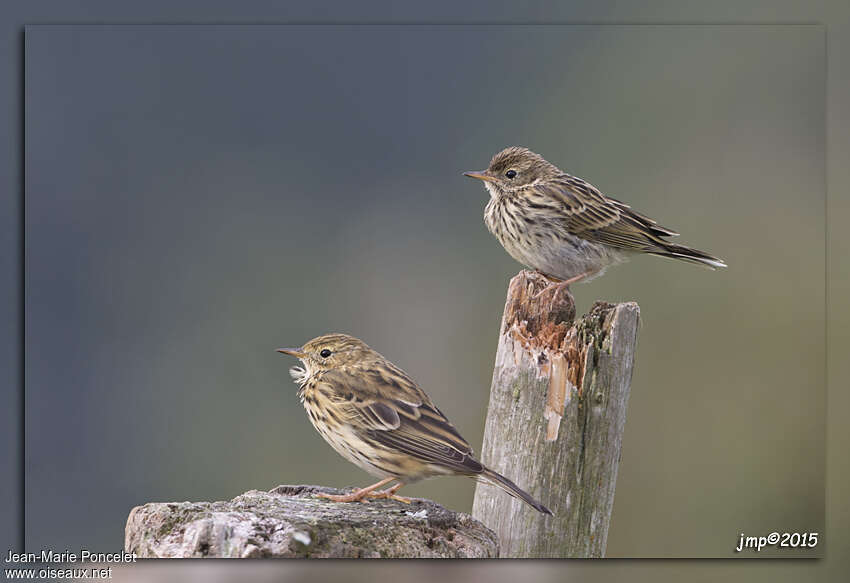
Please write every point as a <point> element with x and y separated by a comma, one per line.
<point>515,168</point>
<point>331,351</point>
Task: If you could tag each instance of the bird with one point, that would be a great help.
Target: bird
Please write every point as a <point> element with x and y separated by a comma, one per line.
<point>375,416</point>
<point>564,227</point>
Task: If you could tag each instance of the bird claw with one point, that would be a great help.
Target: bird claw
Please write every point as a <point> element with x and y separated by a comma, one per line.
<point>363,495</point>
<point>548,277</point>
<point>556,284</point>
<point>551,289</point>
<point>353,497</point>
<point>390,495</point>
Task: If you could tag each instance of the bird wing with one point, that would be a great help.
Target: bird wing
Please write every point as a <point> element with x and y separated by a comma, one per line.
<point>388,406</point>
<point>591,215</point>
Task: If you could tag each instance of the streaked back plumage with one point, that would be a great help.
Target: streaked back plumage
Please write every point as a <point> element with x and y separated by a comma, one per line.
<point>564,226</point>
<point>374,415</point>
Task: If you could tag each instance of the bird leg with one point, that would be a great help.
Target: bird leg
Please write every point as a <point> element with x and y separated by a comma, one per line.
<point>359,495</point>
<point>390,493</point>
<point>565,283</point>
<point>577,278</point>
<point>549,277</point>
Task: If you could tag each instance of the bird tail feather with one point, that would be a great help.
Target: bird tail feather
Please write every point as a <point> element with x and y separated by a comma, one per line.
<point>688,254</point>
<point>512,489</point>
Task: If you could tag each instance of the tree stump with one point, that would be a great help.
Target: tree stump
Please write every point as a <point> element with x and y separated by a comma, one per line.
<point>555,419</point>
<point>290,521</point>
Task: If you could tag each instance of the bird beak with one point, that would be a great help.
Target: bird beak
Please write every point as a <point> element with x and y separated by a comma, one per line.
<point>296,352</point>
<point>480,176</point>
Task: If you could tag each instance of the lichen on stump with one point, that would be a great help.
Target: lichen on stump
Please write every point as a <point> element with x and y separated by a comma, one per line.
<point>290,521</point>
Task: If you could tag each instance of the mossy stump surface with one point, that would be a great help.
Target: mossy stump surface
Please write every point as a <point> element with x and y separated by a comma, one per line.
<point>291,522</point>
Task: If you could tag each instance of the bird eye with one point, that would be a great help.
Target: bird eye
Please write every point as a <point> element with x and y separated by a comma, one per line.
<point>325,353</point>
<point>510,174</point>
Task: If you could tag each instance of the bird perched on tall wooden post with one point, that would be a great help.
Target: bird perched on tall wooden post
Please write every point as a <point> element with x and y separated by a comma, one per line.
<point>564,227</point>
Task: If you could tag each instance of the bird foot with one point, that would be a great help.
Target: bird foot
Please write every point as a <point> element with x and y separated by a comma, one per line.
<point>562,283</point>
<point>390,495</point>
<point>553,288</point>
<point>548,277</point>
<point>363,494</point>
<point>356,496</point>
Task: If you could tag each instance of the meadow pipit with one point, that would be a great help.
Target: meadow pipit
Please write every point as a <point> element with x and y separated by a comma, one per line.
<point>378,418</point>
<point>564,227</point>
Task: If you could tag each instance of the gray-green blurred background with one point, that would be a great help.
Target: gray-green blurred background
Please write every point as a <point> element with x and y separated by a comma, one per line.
<point>199,195</point>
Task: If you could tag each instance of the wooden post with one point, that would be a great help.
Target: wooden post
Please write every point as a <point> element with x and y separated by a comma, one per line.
<point>555,420</point>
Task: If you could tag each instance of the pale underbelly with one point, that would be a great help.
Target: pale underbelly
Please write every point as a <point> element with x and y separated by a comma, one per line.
<point>564,256</point>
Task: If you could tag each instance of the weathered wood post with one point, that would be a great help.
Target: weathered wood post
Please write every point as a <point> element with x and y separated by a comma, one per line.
<point>555,420</point>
